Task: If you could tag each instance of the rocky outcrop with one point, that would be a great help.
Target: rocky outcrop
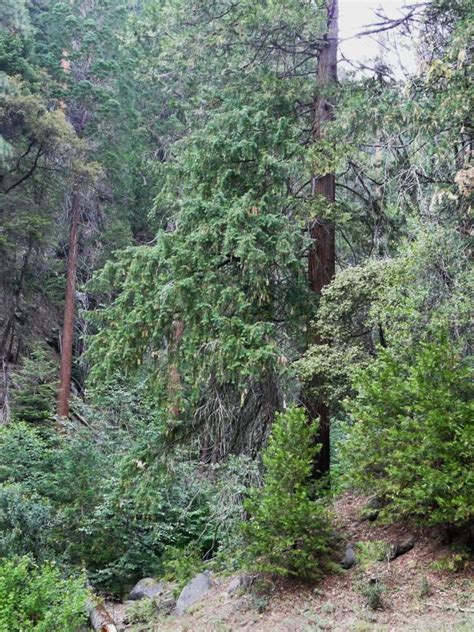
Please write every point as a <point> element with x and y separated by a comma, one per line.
<point>239,584</point>
<point>400,548</point>
<point>146,588</point>
<point>194,591</point>
<point>349,558</point>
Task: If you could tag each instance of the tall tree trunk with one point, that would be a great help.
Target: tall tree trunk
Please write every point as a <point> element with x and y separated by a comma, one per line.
<point>68,324</point>
<point>322,254</point>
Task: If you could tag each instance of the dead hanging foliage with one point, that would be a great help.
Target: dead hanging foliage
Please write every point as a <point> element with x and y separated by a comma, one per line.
<point>236,421</point>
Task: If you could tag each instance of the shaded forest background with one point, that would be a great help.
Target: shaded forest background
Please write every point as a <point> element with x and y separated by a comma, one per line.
<point>185,155</point>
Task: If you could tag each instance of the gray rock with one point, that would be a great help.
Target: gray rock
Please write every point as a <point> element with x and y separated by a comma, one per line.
<point>165,604</point>
<point>197,588</point>
<point>372,509</point>
<point>349,558</point>
<point>239,584</point>
<point>146,588</point>
<point>400,548</point>
<point>375,503</point>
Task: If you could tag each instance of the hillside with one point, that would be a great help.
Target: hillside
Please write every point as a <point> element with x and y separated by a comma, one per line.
<point>427,589</point>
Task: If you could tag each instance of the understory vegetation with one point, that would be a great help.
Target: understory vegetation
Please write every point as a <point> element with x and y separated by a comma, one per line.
<point>38,598</point>
<point>196,171</point>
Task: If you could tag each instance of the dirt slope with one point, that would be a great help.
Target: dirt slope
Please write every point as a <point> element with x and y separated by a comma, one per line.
<point>418,592</point>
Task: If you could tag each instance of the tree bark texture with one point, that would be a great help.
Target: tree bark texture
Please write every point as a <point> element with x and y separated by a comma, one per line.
<point>69,305</point>
<point>322,254</point>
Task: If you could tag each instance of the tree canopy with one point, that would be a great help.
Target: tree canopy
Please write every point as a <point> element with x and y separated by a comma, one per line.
<point>232,240</point>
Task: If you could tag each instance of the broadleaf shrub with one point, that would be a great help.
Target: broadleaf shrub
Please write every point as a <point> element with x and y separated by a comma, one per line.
<point>412,442</point>
<point>38,598</point>
<point>289,529</point>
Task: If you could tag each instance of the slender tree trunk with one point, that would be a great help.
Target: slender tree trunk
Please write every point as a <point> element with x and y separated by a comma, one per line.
<point>68,323</point>
<point>322,254</point>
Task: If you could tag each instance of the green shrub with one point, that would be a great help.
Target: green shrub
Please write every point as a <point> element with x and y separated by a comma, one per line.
<point>181,564</point>
<point>27,516</point>
<point>425,588</point>
<point>58,501</point>
<point>452,562</point>
<point>372,591</point>
<point>118,502</point>
<point>412,441</point>
<point>35,388</point>
<point>25,457</point>
<point>289,530</point>
<point>38,598</point>
<point>27,523</point>
<point>368,553</point>
<point>142,611</point>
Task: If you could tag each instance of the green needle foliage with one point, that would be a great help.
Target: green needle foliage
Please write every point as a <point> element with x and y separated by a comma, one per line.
<point>35,387</point>
<point>413,437</point>
<point>289,529</point>
<point>190,127</point>
<point>231,272</point>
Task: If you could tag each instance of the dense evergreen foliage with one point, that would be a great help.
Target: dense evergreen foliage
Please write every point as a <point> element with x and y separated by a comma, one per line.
<point>166,155</point>
<point>289,530</point>
<point>412,441</point>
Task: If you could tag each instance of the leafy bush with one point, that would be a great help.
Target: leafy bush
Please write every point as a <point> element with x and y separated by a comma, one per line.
<point>289,530</point>
<point>453,562</point>
<point>412,441</point>
<point>38,598</point>
<point>181,564</point>
<point>370,552</point>
<point>372,591</point>
<point>425,588</point>
<point>142,611</point>
<point>27,516</point>
<point>27,523</point>
<point>25,457</point>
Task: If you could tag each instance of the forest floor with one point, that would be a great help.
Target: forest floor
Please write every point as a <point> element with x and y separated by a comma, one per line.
<point>419,591</point>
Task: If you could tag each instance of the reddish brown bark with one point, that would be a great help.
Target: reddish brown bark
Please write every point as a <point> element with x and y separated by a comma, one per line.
<point>322,254</point>
<point>69,304</point>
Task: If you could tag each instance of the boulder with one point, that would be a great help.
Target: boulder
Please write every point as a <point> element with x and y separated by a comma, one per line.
<point>165,603</point>
<point>372,509</point>
<point>400,548</point>
<point>239,584</point>
<point>99,617</point>
<point>349,558</point>
<point>375,503</point>
<point>146,588</point>
<point>194,591</point>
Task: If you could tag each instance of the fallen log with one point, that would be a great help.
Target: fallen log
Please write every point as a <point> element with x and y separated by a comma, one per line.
<point>99,618</point>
